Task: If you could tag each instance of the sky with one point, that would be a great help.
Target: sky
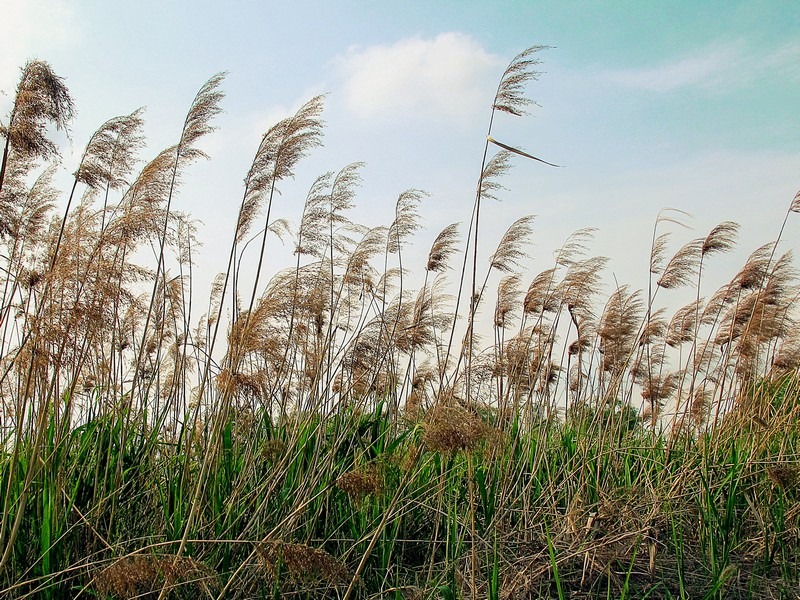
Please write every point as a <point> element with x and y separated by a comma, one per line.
<point>689,105</point>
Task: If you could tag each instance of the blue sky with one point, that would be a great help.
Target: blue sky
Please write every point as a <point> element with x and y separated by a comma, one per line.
<point>691,105</point>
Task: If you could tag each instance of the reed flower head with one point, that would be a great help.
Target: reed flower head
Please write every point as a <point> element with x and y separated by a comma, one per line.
<point>303,563</point>
<point>143,576</point>
<point>450,429</point>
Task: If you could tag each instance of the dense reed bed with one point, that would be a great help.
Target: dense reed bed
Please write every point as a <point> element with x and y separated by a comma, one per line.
<point>326,431</point>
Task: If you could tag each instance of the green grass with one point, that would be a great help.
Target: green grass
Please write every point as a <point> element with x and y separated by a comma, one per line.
<point>554,515</point>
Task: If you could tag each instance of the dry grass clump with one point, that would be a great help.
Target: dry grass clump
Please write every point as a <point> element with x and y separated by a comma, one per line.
<point>141,576</point>
<point>303,563</point>
<point>451,429</point>
<point>785,475</point>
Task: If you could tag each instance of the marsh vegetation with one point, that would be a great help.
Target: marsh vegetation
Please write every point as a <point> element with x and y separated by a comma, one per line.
<point>323,430</point>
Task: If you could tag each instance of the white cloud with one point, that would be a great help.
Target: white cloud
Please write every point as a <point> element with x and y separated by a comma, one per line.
<point>717,65</point>
<point>448,76</point>
<point>701,68</point>
<point>785,59</point>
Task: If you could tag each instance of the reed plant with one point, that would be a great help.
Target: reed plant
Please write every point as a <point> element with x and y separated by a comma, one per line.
<point>326,431</point>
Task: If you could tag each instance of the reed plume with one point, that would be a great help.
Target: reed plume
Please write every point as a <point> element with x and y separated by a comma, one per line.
<point>41,98</point>
<point>417,328</point>
<point>111,152</point>
<point>619,327</point>
<point>542,294</point>
<point>720,239</point>
<point>581,283</point>
<point>507,296</point>
<point>510,97</point>
<point>682,268</point>
<point>511,249</point>
<point>281,148</point>
<point>655,328</point>
<point>443,247</point>
<point>682,326</point>
<point>406,220</point>
<point>489,183</point>
<point>795,205</point>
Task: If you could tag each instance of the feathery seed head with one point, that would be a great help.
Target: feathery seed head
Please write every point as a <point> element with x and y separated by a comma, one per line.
<point>542,294</point>
<point>406,220</point>
<point>41,97</point>
<point>443,248</point>
<point>795,206</point>
<point>510,96</point>
<point>683,324</point>
<point>682,267</point>
<point>721,239</point>
<point>510,251</point>
<point>489,183</point>
<point>198,120</point>
<point>281,148</point>
<point>619,327</point>
<point>507,292</point>
<point>110,154</point>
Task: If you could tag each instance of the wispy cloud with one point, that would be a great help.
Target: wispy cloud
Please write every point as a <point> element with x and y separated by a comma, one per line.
<point>447,76</point>
<point>717,65</point>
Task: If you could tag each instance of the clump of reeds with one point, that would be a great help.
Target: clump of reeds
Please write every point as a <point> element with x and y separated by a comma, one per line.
<point>597,441</point>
